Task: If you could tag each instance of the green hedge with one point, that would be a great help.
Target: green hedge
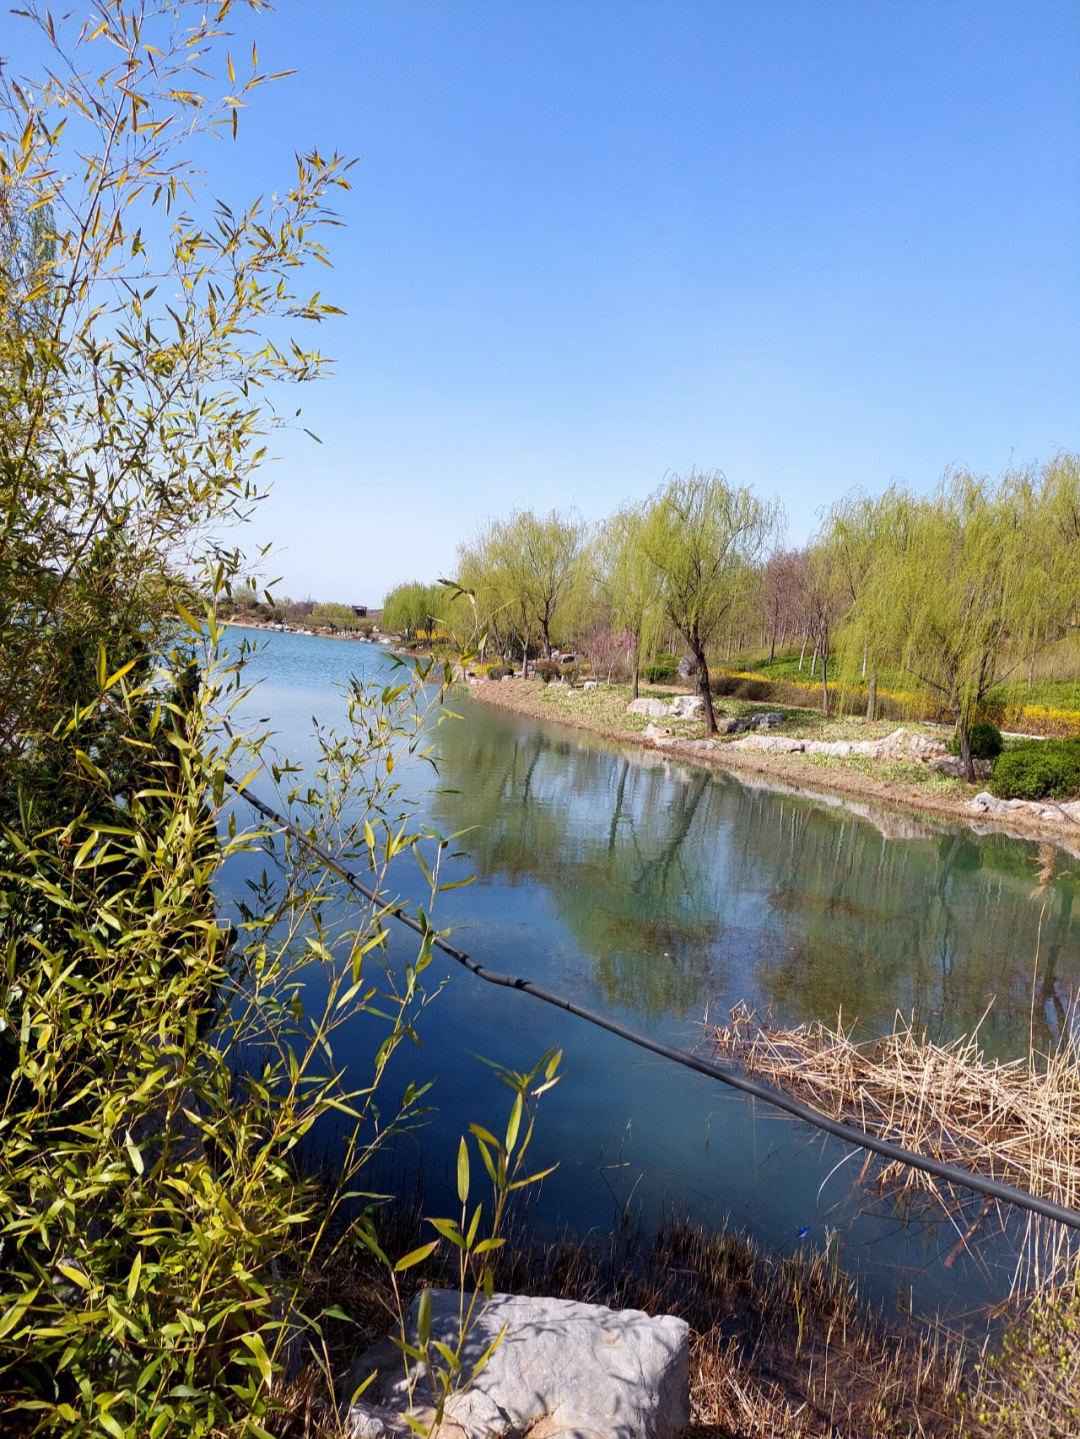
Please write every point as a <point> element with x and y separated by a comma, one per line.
<point>664,667</point>
<point>984,738</point>
<point>1038,769</point>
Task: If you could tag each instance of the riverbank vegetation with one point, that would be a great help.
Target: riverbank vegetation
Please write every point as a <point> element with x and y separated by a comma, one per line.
<point>958,606</point>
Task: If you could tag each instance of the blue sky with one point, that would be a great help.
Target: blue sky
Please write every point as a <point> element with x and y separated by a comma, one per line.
<point>815,245</point>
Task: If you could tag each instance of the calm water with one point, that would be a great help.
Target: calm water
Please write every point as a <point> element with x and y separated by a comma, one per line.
<point>659,894</point>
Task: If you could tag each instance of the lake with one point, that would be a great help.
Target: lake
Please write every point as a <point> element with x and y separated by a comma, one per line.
<point>660,894</point>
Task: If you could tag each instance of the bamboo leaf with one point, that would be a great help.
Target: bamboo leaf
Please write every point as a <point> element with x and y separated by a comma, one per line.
<point>463,1171</point>
<point>416,1256</point>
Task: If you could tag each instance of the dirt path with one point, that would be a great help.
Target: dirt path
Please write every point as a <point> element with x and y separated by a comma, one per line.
<point>791,772</point>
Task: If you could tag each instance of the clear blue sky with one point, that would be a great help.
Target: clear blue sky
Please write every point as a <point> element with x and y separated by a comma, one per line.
<point>815,245</point>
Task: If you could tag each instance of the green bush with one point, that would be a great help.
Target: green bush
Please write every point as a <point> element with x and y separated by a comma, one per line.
<point>984,738</point>
<point>1038,769</point>
<point>664,667</point>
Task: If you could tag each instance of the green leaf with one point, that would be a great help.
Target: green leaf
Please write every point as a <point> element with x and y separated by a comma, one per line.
<point>118,675</point>
<point>449,1230</point>
<point>514,1124</point>
<point>189,619</point>
<point>133,1277</point>
<point>416,1256</point>
<point>463,1170</point>
<point>11,1317</point>
<point>75,1275</point>
<point>423,1318</point>
<point>534,1178</point>
<point>487,1245</point>
<point>255,1343</point>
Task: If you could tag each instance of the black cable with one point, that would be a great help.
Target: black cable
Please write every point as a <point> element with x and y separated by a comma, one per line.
<point>950,1173</point>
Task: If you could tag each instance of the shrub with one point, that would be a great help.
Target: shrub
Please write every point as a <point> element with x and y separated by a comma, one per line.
<point>664,667</point>
<point>984,738</point>
<point>1038,769</point>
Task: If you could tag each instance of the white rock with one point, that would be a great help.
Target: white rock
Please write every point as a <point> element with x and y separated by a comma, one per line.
<point>843,747</point>
<point>774,744</point>
<point>902,744</point>
<point>589,685</point>
<point>584,1369</point>
<point>655,709</point>
<point>658,735</point>
<point>984,802</point>
<point>684,706</point>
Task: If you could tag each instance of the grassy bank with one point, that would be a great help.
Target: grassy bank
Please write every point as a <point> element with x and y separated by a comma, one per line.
<point>1045,706</point>
<point>887,785</point>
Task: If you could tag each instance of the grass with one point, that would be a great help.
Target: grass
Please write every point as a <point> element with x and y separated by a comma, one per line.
<point>1050,704</point>
<point>908,772</point>
<point>780,1347</point>
<point>606,705</point>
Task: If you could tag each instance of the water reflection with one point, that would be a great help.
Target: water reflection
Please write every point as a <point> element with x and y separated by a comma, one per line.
<point>684,889</point>
<point>656,891</point>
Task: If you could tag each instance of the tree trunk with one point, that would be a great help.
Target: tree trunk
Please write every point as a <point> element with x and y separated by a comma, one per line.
<point>802,652</point>
<point>704,690</point>
<point>825,684</point>
<point>871,697</point>
<point>813,662</point>
<point>772,649</point>
<point>635,694</point>
<point>524,659</point>
<point>966,762</point>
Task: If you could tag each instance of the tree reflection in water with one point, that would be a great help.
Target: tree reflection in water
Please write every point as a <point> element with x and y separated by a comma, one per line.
<point>684,888</point>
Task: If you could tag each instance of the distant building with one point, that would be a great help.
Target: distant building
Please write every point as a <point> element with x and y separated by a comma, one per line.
<point>360,611</point>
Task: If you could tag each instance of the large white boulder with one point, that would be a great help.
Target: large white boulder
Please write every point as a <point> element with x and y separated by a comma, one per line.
<point>655,709</point>
<point>562,1369</point>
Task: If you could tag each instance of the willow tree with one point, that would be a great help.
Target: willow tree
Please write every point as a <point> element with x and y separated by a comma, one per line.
<point>413,609</point>
<point>704,539</point>
<point>629,582</point>
<point>953,596</point>
<point>1053,500</point>
<point>527,574</point>
<point>853,534</point>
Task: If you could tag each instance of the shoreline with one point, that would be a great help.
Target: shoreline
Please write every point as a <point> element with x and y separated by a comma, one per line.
<point>792,773</point>
<point>322,634</point>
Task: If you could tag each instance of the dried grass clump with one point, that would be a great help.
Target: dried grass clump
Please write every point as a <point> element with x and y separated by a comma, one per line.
<point>1018,1122</point>
<point>780,1348</point>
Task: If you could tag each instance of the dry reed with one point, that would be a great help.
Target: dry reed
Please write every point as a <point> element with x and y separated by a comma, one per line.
<point>1018,1122</point>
